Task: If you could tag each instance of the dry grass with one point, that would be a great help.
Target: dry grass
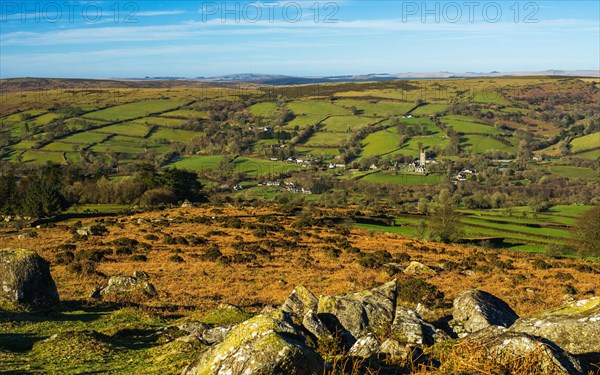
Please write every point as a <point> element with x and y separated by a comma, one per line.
<point>198,284</point>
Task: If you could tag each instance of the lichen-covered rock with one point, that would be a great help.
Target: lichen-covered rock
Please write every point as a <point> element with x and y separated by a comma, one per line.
<point>504,346</point>
<point>314,325</point>
<point>574,327</point>
<point>365,347</point>
<point>194,328</point>
<point>26,280</point>
<point>362,312</point>
<point>300,301</point>
<point>401,352</point>
<point>259,346</point>
<point>409,327</point>
<point>216,335</point>
<point>124,286</point>
<point>417,268</point>
<point>476,309</point>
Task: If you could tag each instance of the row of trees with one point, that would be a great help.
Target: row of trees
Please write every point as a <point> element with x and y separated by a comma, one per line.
<point>51,189</point>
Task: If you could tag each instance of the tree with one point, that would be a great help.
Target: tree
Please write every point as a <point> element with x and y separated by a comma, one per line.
<point>586,233</point>
<point>184,184</point>
<point>43,199</point>
<point>8,192</point>
<point>444,225</point>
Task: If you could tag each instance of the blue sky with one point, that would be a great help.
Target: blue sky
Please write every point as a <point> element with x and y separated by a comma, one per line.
<point>117,38</point>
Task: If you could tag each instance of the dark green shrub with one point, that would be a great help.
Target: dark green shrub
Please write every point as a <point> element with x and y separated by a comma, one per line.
<point>82,268</point>
<point>90,255</point>
<point>65,257</point>
<point>138,258</point>
<point>211,254</point>
<point>419,291</point>
<point>151,237</point>
<point>176,259</point>
<point>539,264</point>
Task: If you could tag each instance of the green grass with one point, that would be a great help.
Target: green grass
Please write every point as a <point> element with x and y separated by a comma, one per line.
<point>381,142</point>
<point>100,208</point>
<point>464,124</point>
<point>59,146</point>
<point>16,117</point>
<point>327,153</point>
<point>24,145</point>
<point>587,142</point>
<point>430,109</point>
<point>403,179</point>
<point>161,121</point>
<point>185,113</point>
<point>592,155</point>
<point>197,163</point>
<point>574,172</point>
<point>481,143</point>
<point>133,110</point>
<point>131,129</point>
<point>264,109</point>
<point>175,135</point>
<point>325,139</point>
<point>379,109</point>
<point>346,124</point>
<point>249,166</point>
<point>44,119</point>
<point>303,121</point>
<point>85,138</point>
<point>90,340</point>
<point>42,157</point>
<point>316,107</point>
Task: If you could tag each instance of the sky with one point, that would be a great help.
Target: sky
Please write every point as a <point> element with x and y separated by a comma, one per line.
<point>132,39</point>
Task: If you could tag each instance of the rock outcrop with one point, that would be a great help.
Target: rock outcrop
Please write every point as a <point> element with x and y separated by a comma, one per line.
<point>475,310</point>
<point>25,279</point>
<point>574,327</point>
<point>504,347</point>
<point>127,287</point>
<point>408,327</point>
<point>300,301</point>
<point>262,345</point>
<point>362,312</point>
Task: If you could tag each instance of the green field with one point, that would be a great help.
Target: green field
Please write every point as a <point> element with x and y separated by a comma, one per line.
<point>303,121</point>
<point>324,139</point>
<point>345,124</point>
<point>381,142</point>
<point>377,109</point>
<point>24,145</point>
<point>249,166</point>
<point>264,109</point>
<point>131,129</point>
<point>481,143</point>
<point>185,113</point>
<point>574,172</point>
<point>587,142</point>
<point>467,125</point>
<point>316,107</point>
<point>85,138</point>
<point>429,109</point>
<point>593,155</point>
<point>161,121</point>
<point>60,146</point>
<point>134,110</point>
<point>175,135</point>
<point>42,157</point>
<point>402,179</point>
<point>326,153</point>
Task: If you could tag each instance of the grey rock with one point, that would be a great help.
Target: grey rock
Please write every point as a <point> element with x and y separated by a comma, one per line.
<point>194,328</point>
<point>26,280</point>
<point>476,309</point>
<point>123,286</point>
<point>261,346</point>
<point>417,268</point>
<point>365,347</point>
<point>314,325</point>
<point>362,312</point>
<point>505,346</point>
<point>84,231</point>
<point>575,327</point>
<point>300,301</point>
<point>409,327</point>
<point>400,351</point>
<point>216,335</point>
